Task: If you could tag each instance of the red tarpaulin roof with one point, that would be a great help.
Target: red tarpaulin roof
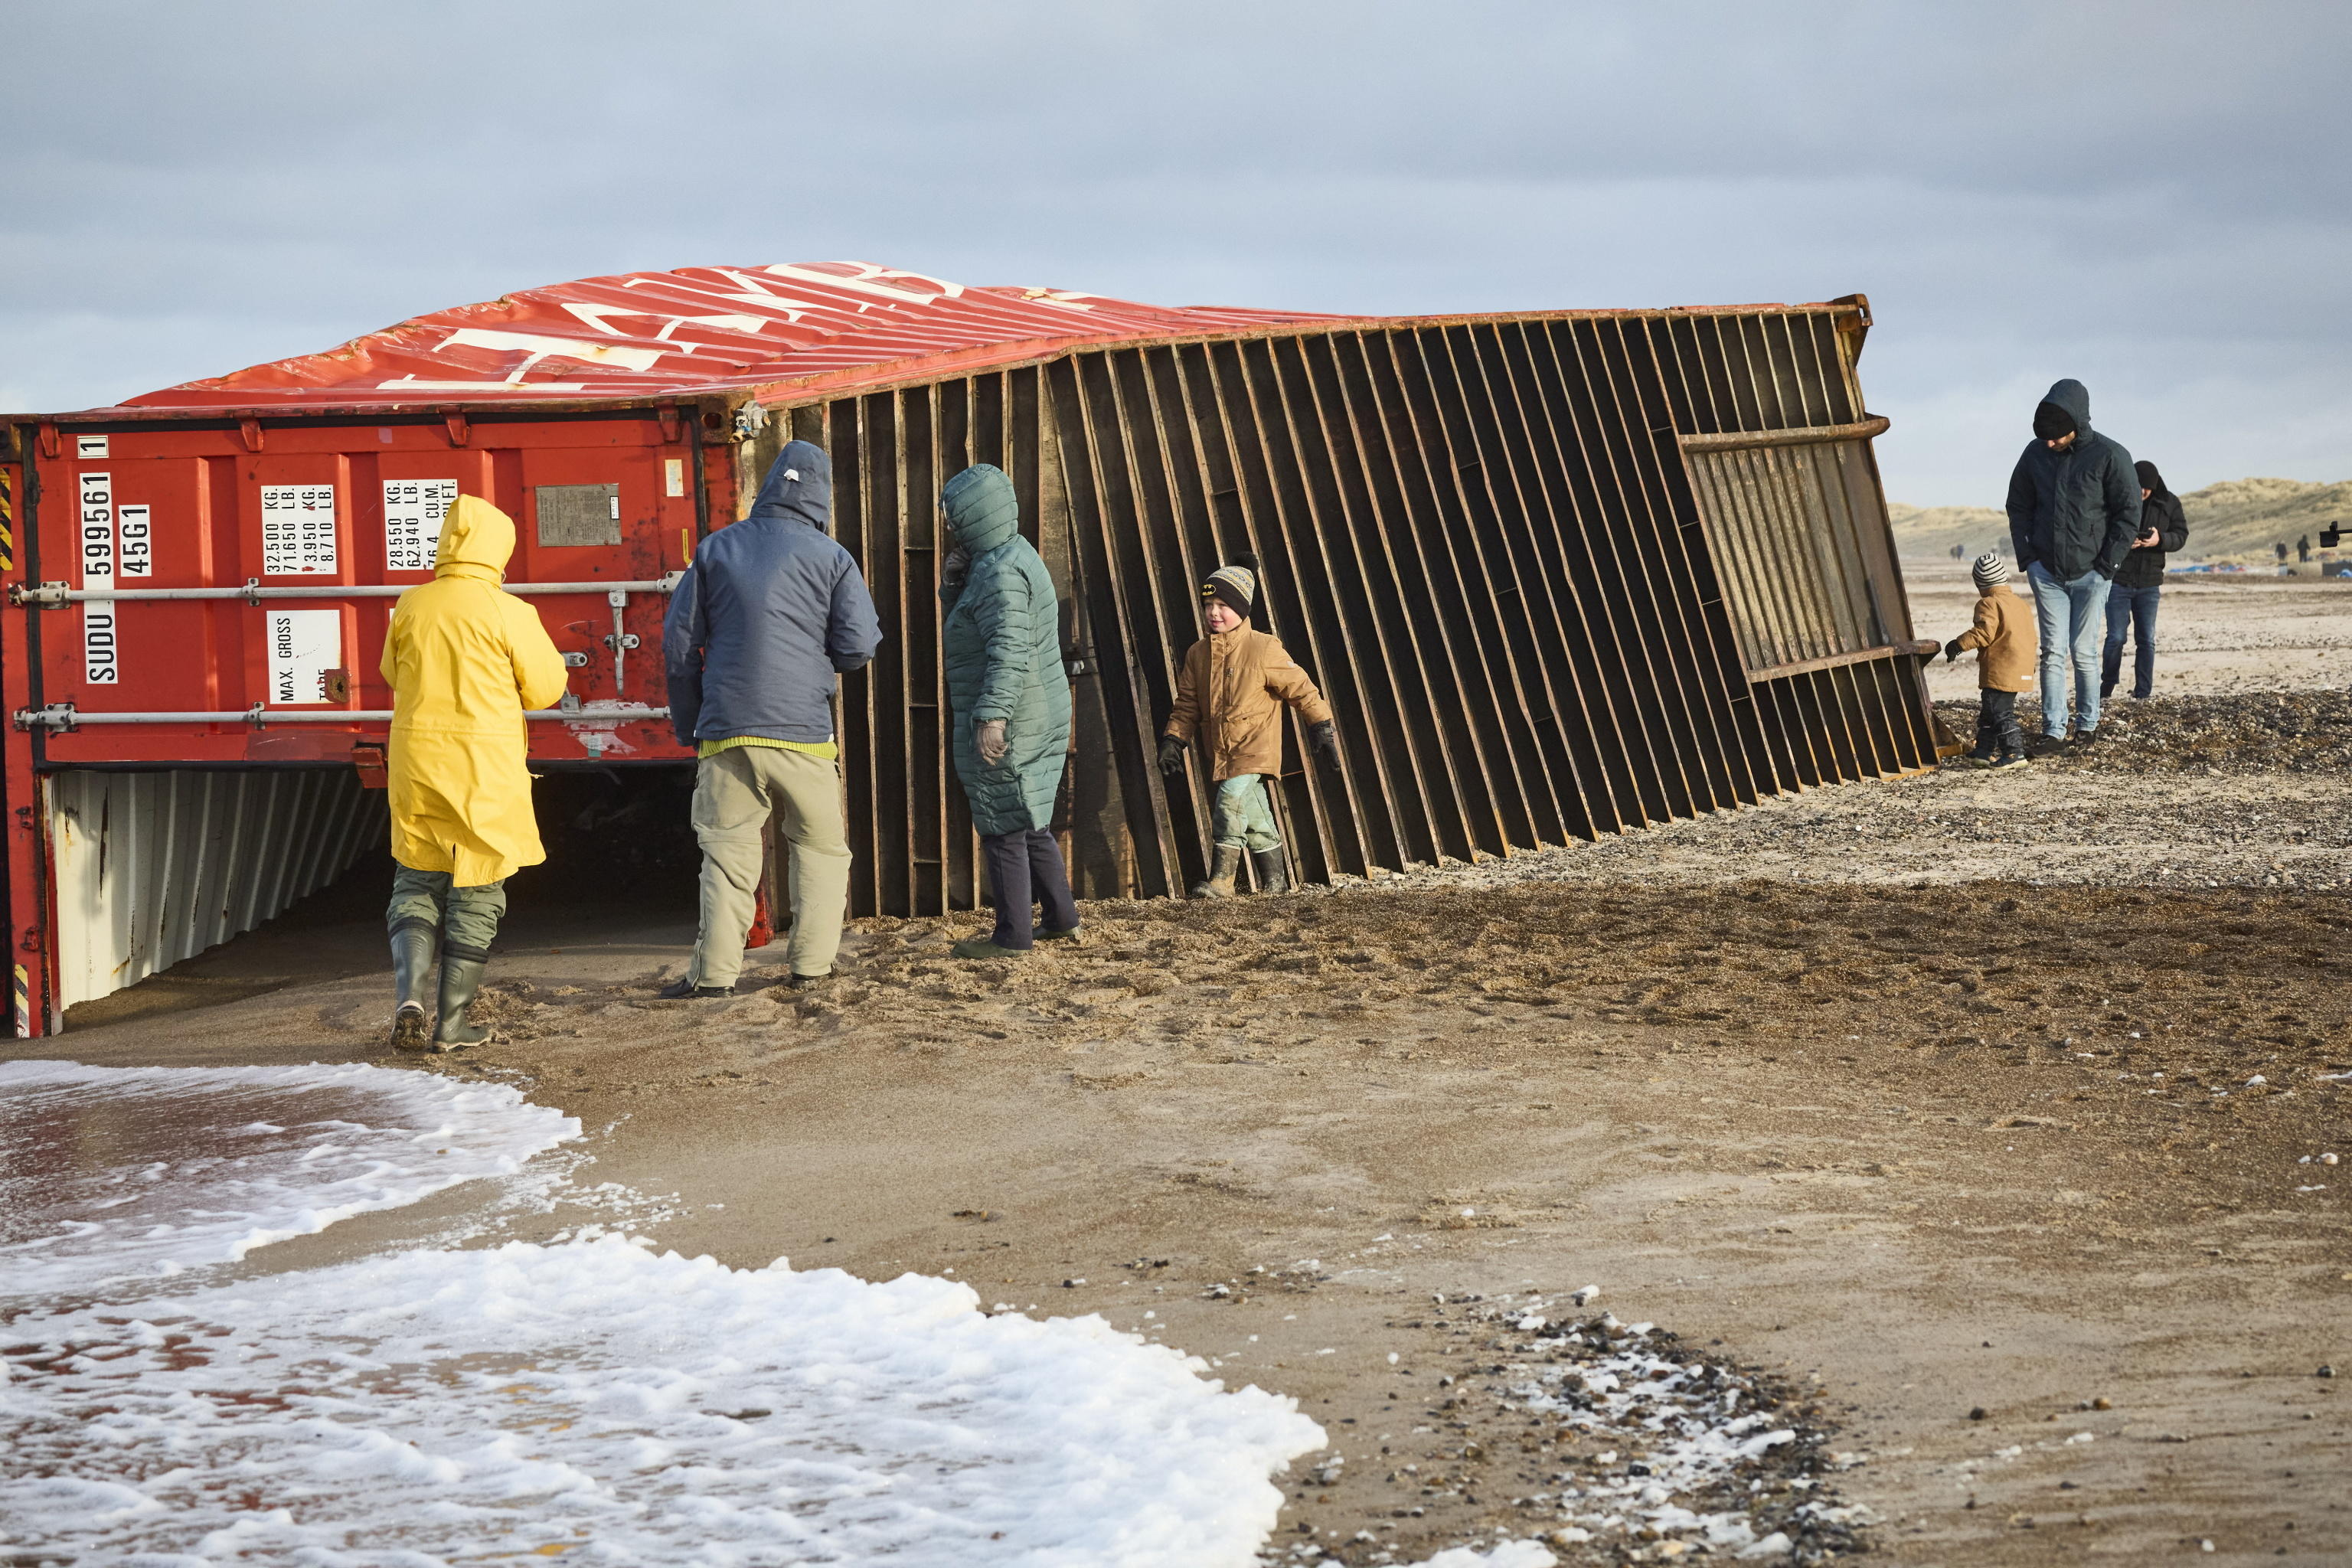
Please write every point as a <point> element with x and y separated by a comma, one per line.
<point>698,330</point>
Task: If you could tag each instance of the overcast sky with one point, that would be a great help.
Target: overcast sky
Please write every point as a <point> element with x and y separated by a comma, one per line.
<point>2151,197</point>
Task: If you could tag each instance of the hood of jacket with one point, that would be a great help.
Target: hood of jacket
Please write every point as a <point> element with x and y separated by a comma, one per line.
<point>2075,398</point>
<point>799,488</point>
<point>2149,479</point>
<point>477,540</point>
<point>981,508</point>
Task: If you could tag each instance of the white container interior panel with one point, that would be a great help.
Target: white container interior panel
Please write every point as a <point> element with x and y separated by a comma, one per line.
<point>152,868</point>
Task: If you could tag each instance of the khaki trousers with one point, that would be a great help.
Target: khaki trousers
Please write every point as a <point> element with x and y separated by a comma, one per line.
<point>735,792</point>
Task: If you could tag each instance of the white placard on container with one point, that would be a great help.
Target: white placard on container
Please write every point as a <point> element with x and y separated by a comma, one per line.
<point>137,541</point>
<point>303,646</point>
<point>101,644</point>
<point>412,511</point>
<point>298,530</point>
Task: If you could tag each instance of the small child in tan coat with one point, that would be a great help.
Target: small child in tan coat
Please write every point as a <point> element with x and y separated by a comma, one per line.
<point>1230,698</point>
<point>2002,633</point>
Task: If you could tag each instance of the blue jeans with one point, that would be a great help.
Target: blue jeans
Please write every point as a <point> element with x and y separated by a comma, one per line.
<point>2133,609</point>
<point>2067,615</point>
<point>1243,815</point>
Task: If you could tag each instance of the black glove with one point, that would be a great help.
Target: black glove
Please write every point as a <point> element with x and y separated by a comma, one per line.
<point>955,567</point>
<point>1171,754</point>
<point>1321,737</point>
<point>1951,650</point>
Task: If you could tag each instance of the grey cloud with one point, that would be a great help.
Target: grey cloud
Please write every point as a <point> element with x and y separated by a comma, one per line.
<point>2149,195</point>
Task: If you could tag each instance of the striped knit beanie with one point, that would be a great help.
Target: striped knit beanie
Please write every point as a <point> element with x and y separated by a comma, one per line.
<point>1236,585</point>
<point>1990,571</point>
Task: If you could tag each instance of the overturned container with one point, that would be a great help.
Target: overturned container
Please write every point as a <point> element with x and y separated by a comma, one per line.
<point>1559,572</point>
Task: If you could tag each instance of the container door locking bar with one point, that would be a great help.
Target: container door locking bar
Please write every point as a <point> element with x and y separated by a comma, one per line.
<point>64,718</point>
<point>54,595</point>
<point>619,640</point>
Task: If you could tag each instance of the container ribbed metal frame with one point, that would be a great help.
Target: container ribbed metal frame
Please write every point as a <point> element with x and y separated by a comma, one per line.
<point>1559,575</point>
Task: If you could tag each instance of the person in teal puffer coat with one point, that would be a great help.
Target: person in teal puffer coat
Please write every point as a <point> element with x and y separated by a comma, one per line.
<point>1010,699</point>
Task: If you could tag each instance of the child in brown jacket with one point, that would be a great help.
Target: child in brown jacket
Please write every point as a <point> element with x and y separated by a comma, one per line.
<point>2002,633</point>
<point>1230,695</point>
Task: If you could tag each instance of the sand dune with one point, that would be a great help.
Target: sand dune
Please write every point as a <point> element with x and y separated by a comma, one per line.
<point>2234,520</point>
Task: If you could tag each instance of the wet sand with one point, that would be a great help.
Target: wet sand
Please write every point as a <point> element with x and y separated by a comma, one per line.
<point>1904,1147</point>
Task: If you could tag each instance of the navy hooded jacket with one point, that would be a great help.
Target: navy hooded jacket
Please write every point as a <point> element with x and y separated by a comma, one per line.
<point>2076,510</point>
<point>769,611</point>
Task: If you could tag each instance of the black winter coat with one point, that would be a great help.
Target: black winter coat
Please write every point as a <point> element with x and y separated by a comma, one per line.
<point>2076,510</point>
<point>2143,568</point>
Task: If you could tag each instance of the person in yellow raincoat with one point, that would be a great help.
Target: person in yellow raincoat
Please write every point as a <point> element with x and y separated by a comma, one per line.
<point>464,658</point>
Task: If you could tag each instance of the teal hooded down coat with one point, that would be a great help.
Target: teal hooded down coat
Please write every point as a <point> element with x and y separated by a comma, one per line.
<point>1002,648</point>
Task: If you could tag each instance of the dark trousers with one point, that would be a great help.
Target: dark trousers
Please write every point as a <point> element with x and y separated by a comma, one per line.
<point>2132,609</point>
<point>1026,868</point>
<point>1998,731</point>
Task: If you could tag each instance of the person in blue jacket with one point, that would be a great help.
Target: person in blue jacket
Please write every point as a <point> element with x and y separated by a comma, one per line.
<point>770,613</point>
<point>2073,511</point>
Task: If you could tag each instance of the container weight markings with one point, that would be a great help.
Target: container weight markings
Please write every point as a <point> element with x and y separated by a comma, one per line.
<point>412,511</point>
<point>298,530</point>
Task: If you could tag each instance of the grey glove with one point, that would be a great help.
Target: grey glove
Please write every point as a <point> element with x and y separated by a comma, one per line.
<point>989,741</point>
<point>1171,754</point>
<point>1322,737</point>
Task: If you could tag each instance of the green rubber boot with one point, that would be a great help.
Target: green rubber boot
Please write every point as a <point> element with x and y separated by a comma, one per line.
<point>461,982</point>
<point>413,941</point>
<point>1220,883</point>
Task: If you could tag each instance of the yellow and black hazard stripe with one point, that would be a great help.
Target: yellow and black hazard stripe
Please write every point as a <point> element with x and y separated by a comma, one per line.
<point>7,520</point>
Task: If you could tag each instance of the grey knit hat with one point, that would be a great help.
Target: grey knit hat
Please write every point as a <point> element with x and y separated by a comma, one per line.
<point>1990,571</point>
<point>1236,585</point>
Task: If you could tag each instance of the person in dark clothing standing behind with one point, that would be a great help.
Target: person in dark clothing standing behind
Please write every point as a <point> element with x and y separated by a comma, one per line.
<point>2073,511</point>
<point>2131,599</point>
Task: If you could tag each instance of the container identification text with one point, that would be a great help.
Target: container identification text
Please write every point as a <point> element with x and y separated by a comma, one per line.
<point>100,644</point>
<point>137,541</point>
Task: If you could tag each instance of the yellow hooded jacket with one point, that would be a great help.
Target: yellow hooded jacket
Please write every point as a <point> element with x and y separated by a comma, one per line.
<point>464,658</point>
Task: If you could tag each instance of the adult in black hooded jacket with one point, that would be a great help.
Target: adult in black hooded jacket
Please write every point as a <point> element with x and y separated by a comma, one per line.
<point>2073,511</point>
<point>2131,600</point>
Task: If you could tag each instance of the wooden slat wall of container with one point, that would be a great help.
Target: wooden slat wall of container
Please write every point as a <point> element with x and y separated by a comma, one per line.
<point>1482,537</point>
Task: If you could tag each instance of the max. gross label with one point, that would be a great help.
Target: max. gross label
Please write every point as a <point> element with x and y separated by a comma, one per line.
<point>303,646</point>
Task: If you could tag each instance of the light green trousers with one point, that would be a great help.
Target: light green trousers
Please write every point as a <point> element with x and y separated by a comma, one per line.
<point>735,792</point>
<point>1242,815</point>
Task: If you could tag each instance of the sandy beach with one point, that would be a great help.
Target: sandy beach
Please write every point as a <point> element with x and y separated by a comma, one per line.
<point>1982,1118</point>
